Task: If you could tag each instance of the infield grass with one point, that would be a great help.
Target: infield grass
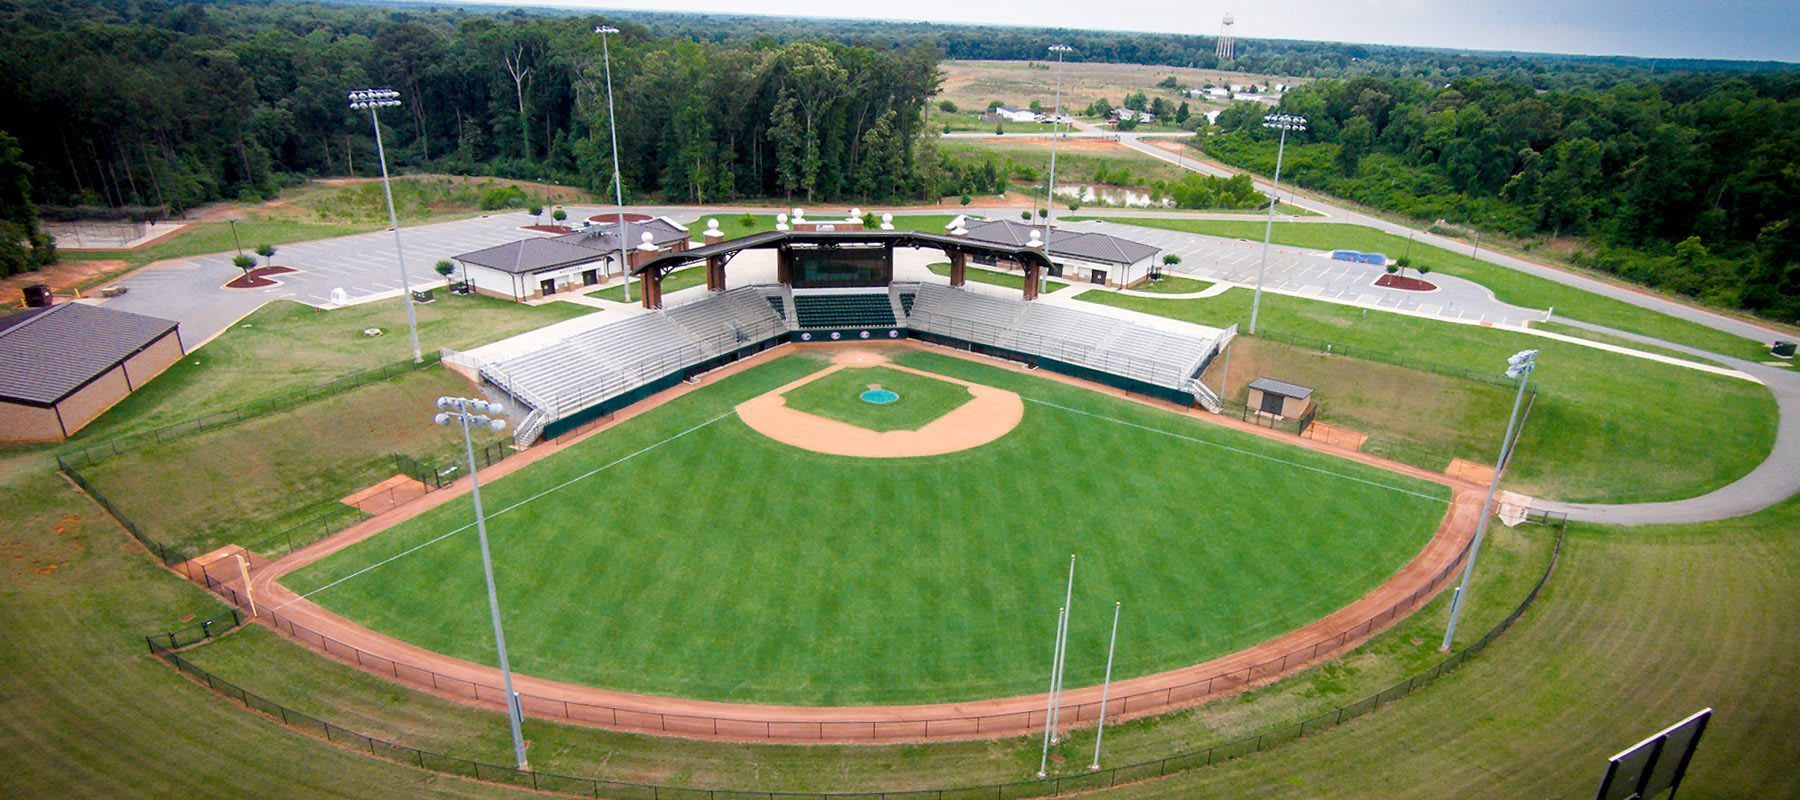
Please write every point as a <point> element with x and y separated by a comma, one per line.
<point>806,578</point>
<point>839,396</point>
<point>1606,427</point>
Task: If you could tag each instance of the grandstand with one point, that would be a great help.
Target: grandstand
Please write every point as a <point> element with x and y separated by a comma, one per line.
<point>584,371</point>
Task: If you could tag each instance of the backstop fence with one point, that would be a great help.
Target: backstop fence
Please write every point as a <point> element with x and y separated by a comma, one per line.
<point>166,647</point>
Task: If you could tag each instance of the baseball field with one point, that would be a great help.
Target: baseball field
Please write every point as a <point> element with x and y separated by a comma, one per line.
<point>685,553</point>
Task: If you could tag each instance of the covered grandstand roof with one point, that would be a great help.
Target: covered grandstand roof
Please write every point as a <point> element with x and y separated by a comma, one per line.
<point>48,353</point>
<point>604,236</point>
<point>775,239</point>
<point>1098,247</point>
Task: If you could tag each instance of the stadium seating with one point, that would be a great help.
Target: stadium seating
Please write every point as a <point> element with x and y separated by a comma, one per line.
<point>860,310</point>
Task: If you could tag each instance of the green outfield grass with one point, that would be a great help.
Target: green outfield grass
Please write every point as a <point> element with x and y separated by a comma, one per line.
<point>817,579</point>
<point>1607,427</point>
<point>839,396</point>
<point>1174,284</point>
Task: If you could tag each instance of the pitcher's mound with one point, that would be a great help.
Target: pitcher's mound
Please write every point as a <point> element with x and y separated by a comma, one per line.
<point>990,414</point>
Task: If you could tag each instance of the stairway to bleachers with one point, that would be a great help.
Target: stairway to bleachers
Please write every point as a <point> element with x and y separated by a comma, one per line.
<point>860,310</point>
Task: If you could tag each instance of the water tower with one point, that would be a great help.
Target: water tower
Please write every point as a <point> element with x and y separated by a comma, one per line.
<point>1227,45</point>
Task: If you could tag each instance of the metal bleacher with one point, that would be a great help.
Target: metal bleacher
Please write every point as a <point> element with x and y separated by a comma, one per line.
<point>563,376</point>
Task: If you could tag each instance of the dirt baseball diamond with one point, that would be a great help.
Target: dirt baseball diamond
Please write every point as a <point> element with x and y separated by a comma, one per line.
<point>991,414</point>
<point>312,625</point>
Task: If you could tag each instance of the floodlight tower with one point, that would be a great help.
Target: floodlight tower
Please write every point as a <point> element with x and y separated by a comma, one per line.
<point>374,100</point>
<point>1283,123</point>
<point>1055,132</point>
<point>612,125</point>
<point>1227,45</point>
<point>482,413</point>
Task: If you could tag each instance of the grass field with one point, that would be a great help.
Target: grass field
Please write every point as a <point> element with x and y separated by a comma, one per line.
<point>839,396</point>
<point>973,84</point>
<point>1174,284</point>
<point>285,347</point>
<point>1604,428</point>
<point>243,483</point>
<point>684,278</point>
<point>1510,286</point>
<point>1072,164</point>
<point>871,602</point>
<point>994,277</point>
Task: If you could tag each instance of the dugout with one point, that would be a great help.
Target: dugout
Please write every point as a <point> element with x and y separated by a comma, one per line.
<point>1279,398</point>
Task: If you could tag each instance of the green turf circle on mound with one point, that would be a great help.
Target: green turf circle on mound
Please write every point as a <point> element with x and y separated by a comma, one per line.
<point>839,396</point>
<point>750,571</point>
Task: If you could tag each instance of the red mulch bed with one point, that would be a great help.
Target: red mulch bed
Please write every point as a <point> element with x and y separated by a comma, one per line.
<point>550,228</point>
<point>258,278</point>
<point>1405,284</point>
<point>629,217</point>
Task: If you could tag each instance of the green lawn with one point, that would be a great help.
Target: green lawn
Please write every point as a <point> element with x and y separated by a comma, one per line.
<point>839,396</point>
<point>1640,628</point>
<point>673,282</point>
<point>1072,165</point>
<point>639,583</point>
<point>202,238</point>
<point>245,483</point>
<point>84,712</point>
<point>994,277</point>
<point>1606,427</point>
<point>300,679</point>
<point>1510,286</point>
<point>287,347</point>
<point>1174,284</point>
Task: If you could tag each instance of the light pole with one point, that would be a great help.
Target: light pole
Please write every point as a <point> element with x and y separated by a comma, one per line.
<point>1283,123</point>
<point>1518,366</point>
<point>234,236</point>
<point>472,411</point>
<point>1055,124</point>
<point>612,125</point>
<point>374,100</point>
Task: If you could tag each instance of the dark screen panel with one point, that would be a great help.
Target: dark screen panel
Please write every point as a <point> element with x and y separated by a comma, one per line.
<point>842,266</point>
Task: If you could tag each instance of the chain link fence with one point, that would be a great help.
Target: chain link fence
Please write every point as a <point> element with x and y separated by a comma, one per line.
<point>166,647</point>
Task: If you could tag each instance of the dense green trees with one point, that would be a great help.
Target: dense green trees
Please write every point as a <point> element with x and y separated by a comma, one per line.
<point>1685,183</point>
<point>136,102</point>
<point>23,245</point>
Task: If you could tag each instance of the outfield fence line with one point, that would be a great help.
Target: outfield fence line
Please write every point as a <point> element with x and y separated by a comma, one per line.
<point>779,729</point>
<point>85,455</point>
<point>1367,354</point>
<point>1044,787</point>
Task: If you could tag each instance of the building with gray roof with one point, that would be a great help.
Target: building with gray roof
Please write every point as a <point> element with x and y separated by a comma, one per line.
<point>1094,257</point>
<point>538,266</point>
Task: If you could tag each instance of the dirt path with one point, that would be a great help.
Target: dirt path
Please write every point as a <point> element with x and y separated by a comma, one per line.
<point>377,653</point>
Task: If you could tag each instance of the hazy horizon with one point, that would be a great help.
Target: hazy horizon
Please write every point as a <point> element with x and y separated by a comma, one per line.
<point>1741,30</point>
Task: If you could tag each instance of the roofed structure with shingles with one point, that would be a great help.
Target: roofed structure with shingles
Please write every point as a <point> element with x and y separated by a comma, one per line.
<point>604,236</point>
<point>1097,247</point>
<point>47,354</point>
<point>1283,388</point>
<point>531,255</point>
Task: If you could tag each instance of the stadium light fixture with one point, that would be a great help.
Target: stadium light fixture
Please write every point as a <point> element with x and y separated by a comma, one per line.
<point>482,413</point>
<point>1055,130</point>
<point>612,125</point>
<point>1106,686</point>
<point>1518,367</point>
<point>372,101</point>
<point>1283,123</point>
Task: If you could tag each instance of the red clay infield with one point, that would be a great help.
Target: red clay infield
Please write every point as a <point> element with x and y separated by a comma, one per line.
<point>397,660</point>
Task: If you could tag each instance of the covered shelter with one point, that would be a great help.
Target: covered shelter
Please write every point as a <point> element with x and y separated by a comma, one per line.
<point>1279,398</point>
<point>64,365</point>
<point>1093,257</point>
<point>538,266</point>
<point>833,259</point>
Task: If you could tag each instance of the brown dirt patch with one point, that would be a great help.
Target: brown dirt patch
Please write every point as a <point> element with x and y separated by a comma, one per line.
<point>1479,474</point>
<point>258,278</point>
<point>65,278</point>
<point>612,217</point>
<point>992,413</point>
<point>1405,283</point>
<point>1336,436</point>
<point>386,495</point>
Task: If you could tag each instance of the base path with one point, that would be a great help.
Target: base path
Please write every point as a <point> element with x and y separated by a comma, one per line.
<point>306,622</point>
<point>989,415</point>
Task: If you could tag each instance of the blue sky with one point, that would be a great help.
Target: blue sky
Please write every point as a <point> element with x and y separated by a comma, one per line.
<point>1734,29</point>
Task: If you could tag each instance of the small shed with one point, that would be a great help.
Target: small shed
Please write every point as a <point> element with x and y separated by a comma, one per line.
<point>1279,398</point>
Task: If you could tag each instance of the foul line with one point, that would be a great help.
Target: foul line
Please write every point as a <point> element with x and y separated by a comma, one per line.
<point>1238,450</point>
<point>540,495</point>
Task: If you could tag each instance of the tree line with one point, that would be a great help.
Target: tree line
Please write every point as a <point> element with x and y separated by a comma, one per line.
<point>1685,183</point>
